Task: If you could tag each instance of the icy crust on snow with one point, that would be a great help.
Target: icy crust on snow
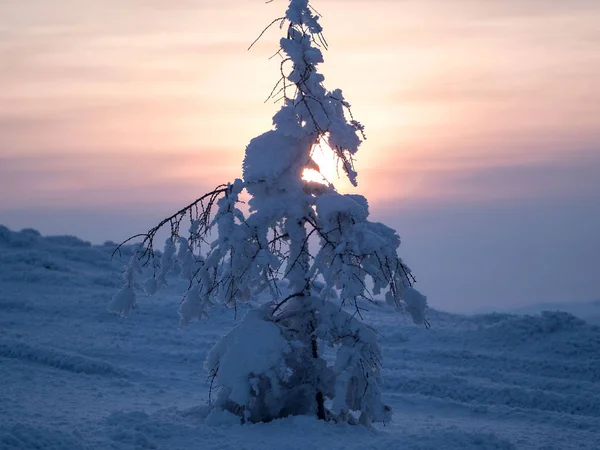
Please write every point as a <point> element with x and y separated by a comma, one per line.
<point>22,436</point>
<point>57,359</point>
<point>81,378</point>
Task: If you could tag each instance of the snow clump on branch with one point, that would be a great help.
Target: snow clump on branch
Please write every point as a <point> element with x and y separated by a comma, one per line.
<point>273,364</point>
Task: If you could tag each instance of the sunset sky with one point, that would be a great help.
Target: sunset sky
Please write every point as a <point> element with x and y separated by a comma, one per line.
<point>482,119</point>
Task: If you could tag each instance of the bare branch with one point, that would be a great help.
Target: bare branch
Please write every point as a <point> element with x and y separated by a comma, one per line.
<point>279,19</point>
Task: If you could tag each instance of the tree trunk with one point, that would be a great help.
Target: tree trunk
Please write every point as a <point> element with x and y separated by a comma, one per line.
<point>319,394</point>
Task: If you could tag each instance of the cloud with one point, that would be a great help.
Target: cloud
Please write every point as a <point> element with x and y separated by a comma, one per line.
<point>112,179</point>
<point>464,179</point>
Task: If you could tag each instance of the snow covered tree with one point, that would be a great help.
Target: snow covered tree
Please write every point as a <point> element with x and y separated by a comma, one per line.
<point>309,251</point>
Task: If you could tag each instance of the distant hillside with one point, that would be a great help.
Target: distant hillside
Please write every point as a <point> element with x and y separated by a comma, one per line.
<point>588,311</point>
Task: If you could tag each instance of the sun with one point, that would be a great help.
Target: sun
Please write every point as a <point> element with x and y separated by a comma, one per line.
<point>327,161</point>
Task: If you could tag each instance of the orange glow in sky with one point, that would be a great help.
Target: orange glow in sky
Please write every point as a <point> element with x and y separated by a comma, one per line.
<point>440,88</point>
<point>140,106</point>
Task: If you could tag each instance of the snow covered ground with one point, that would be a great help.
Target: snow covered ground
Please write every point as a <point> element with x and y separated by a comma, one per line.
<point>74,376</point>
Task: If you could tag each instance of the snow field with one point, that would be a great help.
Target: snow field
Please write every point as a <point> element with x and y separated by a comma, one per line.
<point>74,376</point>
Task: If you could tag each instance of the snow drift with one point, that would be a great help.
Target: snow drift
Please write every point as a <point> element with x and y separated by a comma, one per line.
<point>75,376</point>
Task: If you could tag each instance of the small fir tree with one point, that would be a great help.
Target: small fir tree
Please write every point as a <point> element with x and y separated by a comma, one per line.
<point>310,249</point>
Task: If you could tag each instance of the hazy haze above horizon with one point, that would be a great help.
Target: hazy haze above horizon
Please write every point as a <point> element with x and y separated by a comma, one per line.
<point>482,118</point>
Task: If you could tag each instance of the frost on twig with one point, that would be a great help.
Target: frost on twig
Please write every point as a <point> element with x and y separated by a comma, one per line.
<point>310,251</point>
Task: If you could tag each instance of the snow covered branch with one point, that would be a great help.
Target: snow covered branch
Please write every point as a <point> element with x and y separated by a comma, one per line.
<point>303,250</point>
<point>199,212</point>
